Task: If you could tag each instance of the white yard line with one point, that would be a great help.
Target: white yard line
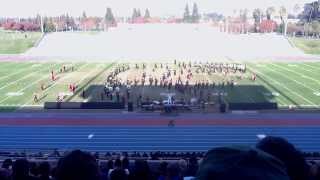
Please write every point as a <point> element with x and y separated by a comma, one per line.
<point>28,86</point>
<point>318,69</point>
<point>297,82</point>
<point>92,71</point>
<point>24,77</point>
<point>17,72</point>
<point>281,102</point>
<point>314,72</point>
<point>15,105</point>
<point>299,74</point>
<point>248,96</point>
<point>87,75</point>
<point>54,84</point>
<point>284,86</point>
<point>303,106</point>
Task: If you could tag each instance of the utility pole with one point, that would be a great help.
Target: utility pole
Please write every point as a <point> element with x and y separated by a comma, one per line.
<point>41,24</point>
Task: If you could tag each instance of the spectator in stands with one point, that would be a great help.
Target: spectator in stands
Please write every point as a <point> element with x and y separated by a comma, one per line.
<point>231,163</point>
<point>21,170</point>
<point>77,165</point>
<point>162,171</point>
<point>7,164</point>
<point>140,171</point>
<point>54,172</point>
<point>125,165</point>
<point>192,168</point>
<point>315,171</point>
<point>118,174</point>
<point>104,171</point>
<point>118,170</point>
<point>4,174</point>
<point>109,166</point>
<point>34,171</point>
<point>6,170</point>
<point>173,172</point>
<point>283,150</point>
<point>44,171</point>
<point>183,167</point>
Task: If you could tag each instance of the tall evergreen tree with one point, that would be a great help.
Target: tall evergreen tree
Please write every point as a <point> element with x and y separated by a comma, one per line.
<point>147,14</point>
<point>69,22</point>
<point>48,25</point>
<point>270,12</point>
<point>138,13</point>
<point>195,14</point>
<point>109,18</point>
<point>311,12</point>
<point>257,16</point>
<point>134,14</point>
<point>84,15</point>
<point>186,14</point>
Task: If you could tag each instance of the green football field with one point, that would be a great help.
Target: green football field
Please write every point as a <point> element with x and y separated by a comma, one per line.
<point>288,84</point>
<point>309,46</point>
<point>13,42</point>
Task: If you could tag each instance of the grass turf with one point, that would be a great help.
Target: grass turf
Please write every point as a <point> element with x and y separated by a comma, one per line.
<point>309,46</point>
<point>17,42</point>
<point>288,84</point>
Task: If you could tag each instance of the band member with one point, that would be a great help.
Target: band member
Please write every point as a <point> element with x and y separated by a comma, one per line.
<point>43,87</point>
<point>156,82</point>
<point>101,96</point>
<point>60,97</point>
<point>70,87</point>
<point>253,77</point>
<point>74,88</point>
<point>35,97</point>
<point>52,76</point>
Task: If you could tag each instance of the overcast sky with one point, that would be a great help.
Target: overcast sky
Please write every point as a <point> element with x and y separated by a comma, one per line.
<point>17,8</point>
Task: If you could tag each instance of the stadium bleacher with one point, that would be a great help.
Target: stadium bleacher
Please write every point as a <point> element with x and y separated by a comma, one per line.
<point>272,158</point>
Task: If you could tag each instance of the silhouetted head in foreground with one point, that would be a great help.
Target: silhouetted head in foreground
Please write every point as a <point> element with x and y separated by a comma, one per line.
<point>230,163</point>
<point>20,170</point>
<point>283,150</point>
<point>118,174</point>
<point>77,165</point>
<point>7,164</point>
<point>4,174</point>
<point>44,170</point>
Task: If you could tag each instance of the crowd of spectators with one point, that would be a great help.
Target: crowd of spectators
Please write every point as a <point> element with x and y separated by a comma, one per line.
<point>273,158</point>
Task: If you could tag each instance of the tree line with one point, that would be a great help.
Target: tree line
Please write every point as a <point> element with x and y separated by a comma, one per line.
<point>264,20</point>
<point>194,17</point>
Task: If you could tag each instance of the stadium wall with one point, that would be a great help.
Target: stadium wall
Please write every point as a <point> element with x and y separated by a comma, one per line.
<point>83,105</point>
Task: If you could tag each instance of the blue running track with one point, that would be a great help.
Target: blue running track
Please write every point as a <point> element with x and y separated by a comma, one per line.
<point>142,138</point>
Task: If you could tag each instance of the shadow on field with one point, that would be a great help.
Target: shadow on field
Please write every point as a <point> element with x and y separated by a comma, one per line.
<point>82,87</point>
<point>250,97</point>
<point>242,95</point>
<point>250,94</point>
<point>278,91</point>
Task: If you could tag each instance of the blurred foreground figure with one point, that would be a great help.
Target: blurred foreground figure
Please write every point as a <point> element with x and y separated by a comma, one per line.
<point>230,163</point>
<point>21,170</point>
<point>77,165</point>
<point>280,148</point>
